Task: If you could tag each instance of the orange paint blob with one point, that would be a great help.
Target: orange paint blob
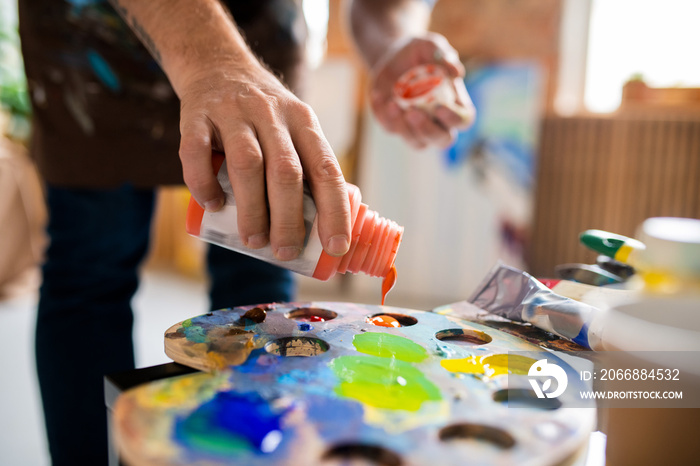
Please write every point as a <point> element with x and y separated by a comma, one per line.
<point>421,87</point>
<point>388,283</point>
<point>384,321</point>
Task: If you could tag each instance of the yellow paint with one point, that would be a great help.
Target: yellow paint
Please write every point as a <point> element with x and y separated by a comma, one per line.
<point>216,361</point>
<point>623,253</point>
<point>489,366</point>
<point>179,392</point>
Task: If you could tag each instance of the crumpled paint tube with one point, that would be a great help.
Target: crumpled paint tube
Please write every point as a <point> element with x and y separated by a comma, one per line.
<point>516,295</point>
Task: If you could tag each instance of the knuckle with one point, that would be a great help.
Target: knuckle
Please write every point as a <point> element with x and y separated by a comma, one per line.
<point>436,38</point>
<point>304,115</point>
<point>326,169</point>
<point>247,160</point>
<point>286,170</point>
<point>193,145</point>
<point>304,110</point>
<point>259,104</point>
<point>272,103</point>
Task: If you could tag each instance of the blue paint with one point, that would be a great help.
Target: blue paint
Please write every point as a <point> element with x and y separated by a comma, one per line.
<point>259,362</point>
<point>103,71</point>
<point>582,337</point>
<point>317,380</point>
<point>506,138</point>
<point>337,417</point>
<point>213,320</point>
<point>231,423</point>
<point>305,326</point>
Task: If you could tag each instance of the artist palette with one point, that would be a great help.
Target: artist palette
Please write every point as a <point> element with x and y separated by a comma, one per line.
<point>338,383</point>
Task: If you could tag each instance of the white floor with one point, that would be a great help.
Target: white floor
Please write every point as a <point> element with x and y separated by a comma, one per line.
<point>22,440</point>
<point>162,301</point>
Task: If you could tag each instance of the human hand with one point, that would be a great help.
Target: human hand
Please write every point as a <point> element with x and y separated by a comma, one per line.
<point>272,141</point>
<point>419,127</point>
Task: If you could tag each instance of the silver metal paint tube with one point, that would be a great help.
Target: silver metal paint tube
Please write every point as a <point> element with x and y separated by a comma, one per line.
<point>516,295</point>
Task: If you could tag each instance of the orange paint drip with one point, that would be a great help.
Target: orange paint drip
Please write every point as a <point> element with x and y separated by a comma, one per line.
<point>384,321</point>
<point>388,283</point>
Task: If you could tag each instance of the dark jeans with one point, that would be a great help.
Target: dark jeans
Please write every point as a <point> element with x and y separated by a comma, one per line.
<point>84,323</point>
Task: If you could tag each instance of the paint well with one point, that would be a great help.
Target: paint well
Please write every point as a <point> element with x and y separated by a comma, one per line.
<point>297,346</point>
<point>384,320</point>
<point>383,382</point>
<point>311,314</point>
<point>464,336</point>
<point>386,345</point>
<point>490,366</point>
<point>404,320</point>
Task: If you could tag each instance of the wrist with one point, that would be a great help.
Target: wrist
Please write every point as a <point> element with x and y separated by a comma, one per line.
<point>212,66</point>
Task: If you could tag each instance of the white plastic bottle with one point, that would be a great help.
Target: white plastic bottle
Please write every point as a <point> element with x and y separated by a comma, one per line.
<point>373,247</point>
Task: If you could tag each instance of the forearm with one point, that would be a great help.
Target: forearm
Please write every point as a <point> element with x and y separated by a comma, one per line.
<point>379,24</point>
<point>186,36</point>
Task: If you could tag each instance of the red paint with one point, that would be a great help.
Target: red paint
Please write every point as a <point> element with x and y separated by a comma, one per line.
<point>316,319</point>
<point>549,282</point>
<point>388,283</point>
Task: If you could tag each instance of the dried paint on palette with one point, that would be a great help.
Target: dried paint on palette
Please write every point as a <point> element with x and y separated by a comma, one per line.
<point>306,390</point>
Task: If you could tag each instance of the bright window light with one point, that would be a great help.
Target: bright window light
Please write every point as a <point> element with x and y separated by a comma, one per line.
<point>656,40</point>
<point>316,15</point>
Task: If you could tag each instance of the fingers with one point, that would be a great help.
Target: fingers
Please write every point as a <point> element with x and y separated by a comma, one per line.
<point>246,169</point>
<point>326,181</point>
<point>426,129</point>
<point>415,126</point>
<point>285,192</point>
<point>271,140</point>
<point>433,124</point>
<point>436,49</point>
<point>391,117</point>
<point>195,155</point>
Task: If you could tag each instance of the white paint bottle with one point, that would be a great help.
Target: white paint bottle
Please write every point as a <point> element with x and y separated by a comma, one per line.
<point>373,247</point>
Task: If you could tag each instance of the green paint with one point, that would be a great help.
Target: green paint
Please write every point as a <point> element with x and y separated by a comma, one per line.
<point>383,382</point>
<point>387,345</point>
<point>187,323</point>
<point>201,435</point>
<point>607,243</point>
